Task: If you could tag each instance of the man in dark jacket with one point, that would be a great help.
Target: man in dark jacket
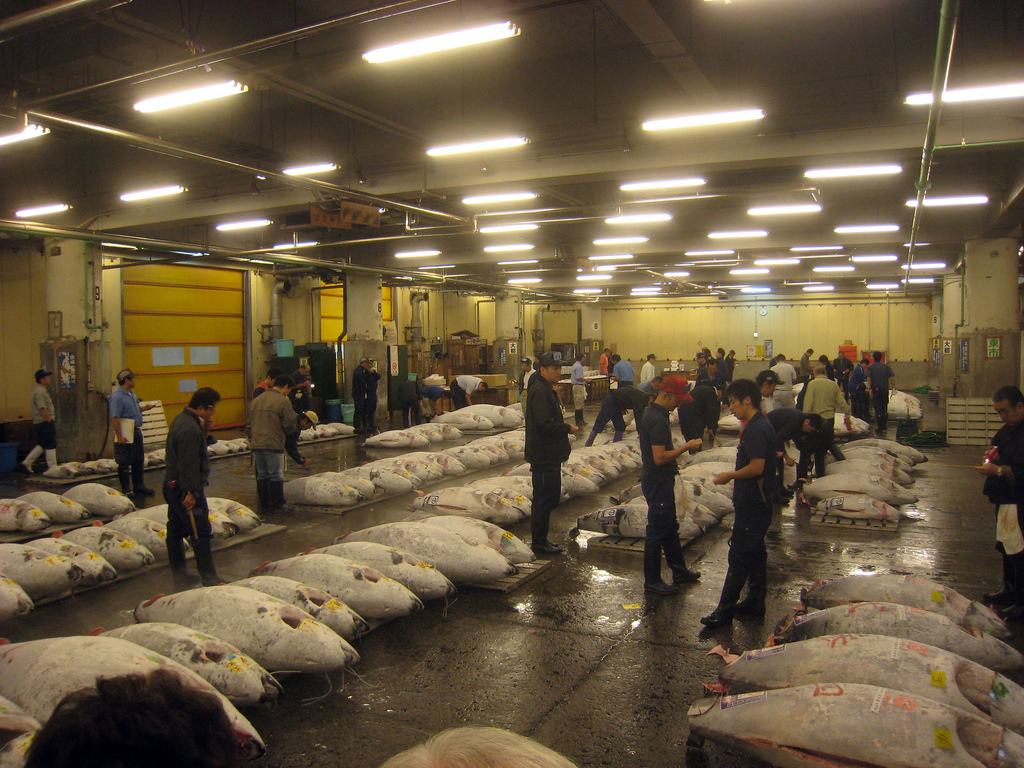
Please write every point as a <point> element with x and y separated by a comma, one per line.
<point>612,408</point>
<point>364,396</point>
<point>547,446</point>
<point>699,415</point>
<point>271,420</point>
<point>185,481</point>
<point>409,396</point>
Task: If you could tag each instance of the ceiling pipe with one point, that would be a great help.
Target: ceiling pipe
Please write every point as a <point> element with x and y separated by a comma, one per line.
<point>49,15</point>
<point>184,153</point>
<point>940,76</point>
<point>254,46</point>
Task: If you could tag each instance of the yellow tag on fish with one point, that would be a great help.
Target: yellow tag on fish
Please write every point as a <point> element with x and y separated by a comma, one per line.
<point>936,596</point>
<point>126,544</point>
<point>308,625</point>
<point>943,738</point>
<point>162,533</point>
<point>631,606</point>
<point>507,535</point>
<point>938,678</point>
<point>331,605</point>
<point>520,499</point>
<point>238,664</point>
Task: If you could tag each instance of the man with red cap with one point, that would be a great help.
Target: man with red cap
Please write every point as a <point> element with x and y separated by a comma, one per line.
<point>658,483</point>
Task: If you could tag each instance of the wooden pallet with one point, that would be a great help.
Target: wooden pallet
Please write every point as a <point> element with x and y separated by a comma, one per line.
<point>819,518</point>
<point>527,572</point>
<point>154,423</point>
<point>19,537</point>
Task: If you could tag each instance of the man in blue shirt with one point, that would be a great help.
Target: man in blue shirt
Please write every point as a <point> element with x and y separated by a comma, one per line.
<point>126,421</point>
<point>579,389</point>
<point>857,386</point>
<point>754,487</point>
<point>881,380</point>
<point>622,372</point>
<point>658,483</point>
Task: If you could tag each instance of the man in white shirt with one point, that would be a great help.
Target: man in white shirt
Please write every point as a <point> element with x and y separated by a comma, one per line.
<point>783,397</point>
<point>579,389</point>
<point>648,371</point>
<point>463,388</point>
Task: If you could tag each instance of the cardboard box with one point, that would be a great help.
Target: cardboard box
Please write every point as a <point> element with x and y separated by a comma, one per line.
<point>494,379</point>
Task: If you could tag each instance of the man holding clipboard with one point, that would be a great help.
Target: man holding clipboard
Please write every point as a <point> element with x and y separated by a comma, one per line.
<point>126,421</point>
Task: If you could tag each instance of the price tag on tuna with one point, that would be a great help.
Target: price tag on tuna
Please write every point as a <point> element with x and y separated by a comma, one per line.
<point>936,596</point>
<point>943,738</point>
<point>938,678</point>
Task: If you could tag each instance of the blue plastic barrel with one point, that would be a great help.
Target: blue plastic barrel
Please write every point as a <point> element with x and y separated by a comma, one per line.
<point>8,456</point>
<point>332,411</point>
<point>348,412</point>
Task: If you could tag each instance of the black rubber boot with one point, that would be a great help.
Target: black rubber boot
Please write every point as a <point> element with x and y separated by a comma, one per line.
<point>183,578</point>
<point>204,562</point>
<point>579,419</point>
<point>276,494</point>
<point>757,590</point>
<point>731,590</point>
<point>263,492</point>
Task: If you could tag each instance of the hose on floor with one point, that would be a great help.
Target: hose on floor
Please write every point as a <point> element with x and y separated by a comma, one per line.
<point>926,440</point>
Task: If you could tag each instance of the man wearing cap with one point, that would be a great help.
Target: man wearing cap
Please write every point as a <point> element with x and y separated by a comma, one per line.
<point>524,376</point>
<point>463,388</point>
<point>126,421</point>
<point>42,424</point>
<point>698,416</point>
<point>648,370</point>
<point>306,420</point>
<point>658,483</point>
<point>754,488</point>
<point>860,401</point>
<point>579,389</point>
<point>617,402</point>
<point>547,446</point>
<point>409,396</point>
<point>767,381</point>
<point>271,420</point>
<point>622,371</point>
<point>783,396</point>
<point>364,396</point>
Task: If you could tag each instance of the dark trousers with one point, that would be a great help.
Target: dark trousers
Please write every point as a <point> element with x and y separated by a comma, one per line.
<point>46,434</point>
<point>822,443</point>
<point>880,402</point>
<point>412,413</point>
<point>610,411</point>
<point>860,402</point>
<point>458,395</point>
<point>179,526</point>
<point>748,554</point>
<point>131,462</point>
<point>662,529</point>
<point>364,414</point>
<point>547,492</point>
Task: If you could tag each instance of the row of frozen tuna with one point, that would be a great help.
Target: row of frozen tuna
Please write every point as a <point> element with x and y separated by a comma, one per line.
<point>913,679</point>
<point>51,568</point>
<point>332,429</point>
<point>38,510</point>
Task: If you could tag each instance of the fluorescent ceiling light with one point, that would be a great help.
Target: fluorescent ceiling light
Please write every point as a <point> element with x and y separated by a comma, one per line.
<point>193,96</point>
<point>811,248</point>
<point>709,253</point>
<point>305,170</point>
<point>861,228</point>
<point>746,271</point>
<point>523,280</point>
<point>118,245</point>
<point>883,286</point>
<point>259,261</point>
<point>444,42</point>
<point>644,291</point>
<point>41,210</point>
<point>507,228</point>
<point>30,131</point>
<point>734,287</point>
<point>1007,91</point>
<point>438,266</point>
<point>919,245</point>
<point>775,210</point>
<point>477,146</point>
<point>521,261</point>
<point>857,170</point>
<point>715,118</point>
<point>835,268</point>
<point>593,277</point>
<point>802,282</point>
<point>756,289</point>
<point>676,274</point>
<point>638,218</point>
<point>937,202</point>
<point>818,288</point>
<point>585,291</point>
<point>286,246</point>
<point>776,262</point>
<point>926,265</point>
<point>506,197</point>
<point>615,257</point>
<point>233,225</point>
<point>415,254</point>
<point>145,194</point>
<point>621,240</point>
<point>606,268</point>
<point>874,258</point>
<point>637,186</point>
<point>918,280</point>
<point>737,234</point>
<point>508,247</point>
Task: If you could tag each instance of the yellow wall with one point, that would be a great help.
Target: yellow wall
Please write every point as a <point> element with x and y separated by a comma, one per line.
<point>332,313</point>
<point>22,328</point>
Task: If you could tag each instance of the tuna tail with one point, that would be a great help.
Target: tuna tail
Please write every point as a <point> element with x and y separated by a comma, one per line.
<point>720,688</point>
<point>57,534</point>
<point>97,632</point>
<point>259,569</point>
<point>97,524</point>
<point>726,656</point>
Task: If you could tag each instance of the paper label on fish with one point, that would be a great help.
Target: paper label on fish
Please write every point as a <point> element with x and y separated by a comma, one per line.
<point>331,605</point>
<point>507,535</point>
<point>938,678</point>
<point>743,698</point>
<point>754,655</point>
<point>894,652</point>
<point>126,544</point>
<point>430,501</point>
<point>802,619</point>
<point>943,738</point>
<point>835,502</point>
<point>936,596</point>
<point>901,612</point>
<point>876,704</point>
<point>238,664</point>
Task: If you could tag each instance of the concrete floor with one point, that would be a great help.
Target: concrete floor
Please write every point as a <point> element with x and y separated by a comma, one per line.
<point>579,658</point>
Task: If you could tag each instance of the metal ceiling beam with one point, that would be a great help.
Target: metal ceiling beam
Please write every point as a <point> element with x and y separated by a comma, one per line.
<point>48,15</point>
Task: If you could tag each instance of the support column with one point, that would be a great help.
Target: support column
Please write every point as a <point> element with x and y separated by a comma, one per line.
<point>990,323</point>
<point>507,349</point>
<point>591,332</point>
<point>365,327</point>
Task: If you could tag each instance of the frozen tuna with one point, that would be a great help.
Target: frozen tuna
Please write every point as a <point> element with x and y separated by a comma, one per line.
<point>94,567</point>
<point>452,555</point>
<point>17,515</point>
<point>866,467</point>
<point>366,591</point>
<point>398,438</point>
<point>897,449</point>
<point>494,504</point>
<point>487,534</point>
<point>853,482</point>
<point>223,526</point>
<point>15,721</point>
<point>42,575</point>
<point>858,506</point>
<point>906,590</point>
<point>470,456</point>
<point>904,622</point>
<point>151,535</point>
<point>239,514</point>
<point>386,482</point>
<point>323,607</point>
<point>100,500</point>
<point>14,601</point>
<point>520,485</point>
<point>419,577</point>
<point>630,521</point>
<point>322,492</point>
<point>60,509</point>
<point>851,724</point>
<point>920,669</point>
<point>277,635</point>
<point>39,673</point>
<point>120,550</point>
<point>465,421</point>
<point>244,682</point>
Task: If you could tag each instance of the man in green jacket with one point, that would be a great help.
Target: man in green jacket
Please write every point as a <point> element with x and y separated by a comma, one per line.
<point>271,419</point>
<point>823,396</point>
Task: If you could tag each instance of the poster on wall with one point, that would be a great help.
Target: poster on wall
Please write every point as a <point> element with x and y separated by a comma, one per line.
<point>993,346</point>
<point>947,346</point>
<point>394,360</point>
<point>513,348</point>
<point>751,351</point>
<point>936,356</point>
<point>67,370</point>
<point>769,348</point>
<point>964,356</point>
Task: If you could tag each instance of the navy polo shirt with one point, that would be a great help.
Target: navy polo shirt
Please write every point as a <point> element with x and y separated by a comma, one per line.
<point>757,441</point>
<point>654,430</point>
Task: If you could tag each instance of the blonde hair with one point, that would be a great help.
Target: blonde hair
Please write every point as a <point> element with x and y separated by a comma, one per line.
<point>478,747</point>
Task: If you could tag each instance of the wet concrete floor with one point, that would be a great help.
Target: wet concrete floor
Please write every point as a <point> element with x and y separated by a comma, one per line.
<point>580,657</point>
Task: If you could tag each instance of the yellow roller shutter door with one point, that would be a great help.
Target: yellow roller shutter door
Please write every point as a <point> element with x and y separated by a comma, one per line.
<point>332,310</point>
<point>183,329</point>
